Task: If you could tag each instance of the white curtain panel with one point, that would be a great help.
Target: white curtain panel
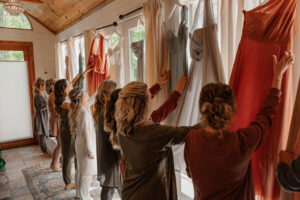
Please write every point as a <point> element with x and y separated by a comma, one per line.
<point>73,64</point>
<point>60,71</point>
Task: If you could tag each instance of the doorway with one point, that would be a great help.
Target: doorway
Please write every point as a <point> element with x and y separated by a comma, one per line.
<point>16,102</point>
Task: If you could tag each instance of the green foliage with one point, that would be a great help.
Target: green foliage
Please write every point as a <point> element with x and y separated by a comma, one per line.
<point>8,21</point>
<point>114,40</point>
<point>11,56</point>
<point>136,34</point>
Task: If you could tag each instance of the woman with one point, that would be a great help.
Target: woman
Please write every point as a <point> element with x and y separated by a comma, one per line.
<point>54,125</point>
<point>219,160</point>
<point>82,125</point>
<point>62,104</point>
<point>146,147</point>
<point>41,116</point>
<point>108,159</point>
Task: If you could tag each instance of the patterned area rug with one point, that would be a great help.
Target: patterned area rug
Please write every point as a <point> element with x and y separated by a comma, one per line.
<point>45,184</point>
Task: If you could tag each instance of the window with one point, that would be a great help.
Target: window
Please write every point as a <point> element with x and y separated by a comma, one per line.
<point>135,34</point>
<point>11,56</point>
<point>9,21</point>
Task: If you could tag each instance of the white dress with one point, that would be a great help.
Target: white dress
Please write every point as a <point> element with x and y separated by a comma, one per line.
<point>85,143</point>
<point>114,56</point>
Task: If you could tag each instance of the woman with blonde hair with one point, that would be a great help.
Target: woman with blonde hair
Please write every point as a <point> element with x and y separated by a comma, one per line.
<point>108,159</point>
<point>146,146</point>
<point>82,126</point>
<point>218,159</point>
<point>41,115</point>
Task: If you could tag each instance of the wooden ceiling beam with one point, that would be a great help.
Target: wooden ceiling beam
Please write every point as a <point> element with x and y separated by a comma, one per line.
<point>33,1</point>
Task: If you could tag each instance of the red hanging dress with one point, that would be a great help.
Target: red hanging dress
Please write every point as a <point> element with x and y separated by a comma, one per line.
<point>97,61</point>
<point>268,30</point>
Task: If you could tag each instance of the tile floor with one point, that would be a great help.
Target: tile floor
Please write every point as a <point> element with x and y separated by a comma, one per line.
<point>12,182</point>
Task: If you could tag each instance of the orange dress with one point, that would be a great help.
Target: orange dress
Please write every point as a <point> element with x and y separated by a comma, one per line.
<point>268,30</point>
<point>97,61</point>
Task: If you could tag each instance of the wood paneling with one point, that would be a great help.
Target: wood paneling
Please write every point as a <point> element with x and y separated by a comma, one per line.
<point>27,48</point>
<point>58,15</point>
<point>19,143</point>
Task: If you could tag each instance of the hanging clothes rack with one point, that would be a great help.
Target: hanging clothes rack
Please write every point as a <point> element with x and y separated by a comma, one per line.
<point>121,17</point>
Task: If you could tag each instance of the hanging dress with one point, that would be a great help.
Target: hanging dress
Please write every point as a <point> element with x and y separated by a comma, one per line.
<point>176,45</point>
<point>114,57</point>
<point>97,61</point>
<point>138,50</point>
<point>268,30</point>
<point>206,67</point>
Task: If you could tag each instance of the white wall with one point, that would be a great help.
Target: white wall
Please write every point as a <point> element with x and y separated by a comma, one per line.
<point>43,46</point>
<point>101,17</point>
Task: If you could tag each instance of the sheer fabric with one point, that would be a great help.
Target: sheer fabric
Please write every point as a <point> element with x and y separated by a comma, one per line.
<point>73,61</point>
<point>267,31</point>
<point>157,59</point>
<point>138,50</point>
<point>97,61</point>
<point>59,61</point>
<point>114,55</point>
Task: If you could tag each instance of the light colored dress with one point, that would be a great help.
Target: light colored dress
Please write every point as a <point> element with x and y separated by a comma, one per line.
<point>114,56</point>
<point>85,147</point>
<point>138,50</point>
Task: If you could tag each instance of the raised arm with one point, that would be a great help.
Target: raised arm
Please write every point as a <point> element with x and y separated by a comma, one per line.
<point>252,136</point>
<point>169,106</point>
<point>156,87</point>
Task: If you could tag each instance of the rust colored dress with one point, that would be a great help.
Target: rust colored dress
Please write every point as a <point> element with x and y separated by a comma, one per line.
<point>221,168</point>
<point>97,61</point>
<point>268,30</point>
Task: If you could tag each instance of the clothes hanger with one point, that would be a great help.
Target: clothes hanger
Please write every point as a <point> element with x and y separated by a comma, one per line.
<point>177,3</point>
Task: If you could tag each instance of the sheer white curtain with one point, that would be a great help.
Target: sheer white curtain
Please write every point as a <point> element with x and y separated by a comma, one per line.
<point>230,25</point>
<point>73,54</point>
<point>60,69</point>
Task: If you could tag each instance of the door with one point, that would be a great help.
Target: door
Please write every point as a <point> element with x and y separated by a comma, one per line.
<point>16,102</point>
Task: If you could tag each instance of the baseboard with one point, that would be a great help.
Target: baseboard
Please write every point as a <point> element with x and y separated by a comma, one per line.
<point>17,143</point>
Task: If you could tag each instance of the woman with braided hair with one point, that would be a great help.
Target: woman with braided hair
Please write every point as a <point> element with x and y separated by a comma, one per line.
<point>219,160</point>
<point>82,125</point>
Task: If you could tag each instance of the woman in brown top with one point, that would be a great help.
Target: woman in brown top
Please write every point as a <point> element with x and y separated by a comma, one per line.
<point>54,125</point>
<point>219,160</point>
<point>146,147</point>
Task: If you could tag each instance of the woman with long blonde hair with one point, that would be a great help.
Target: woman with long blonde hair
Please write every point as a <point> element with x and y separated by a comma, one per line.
<point>218,159</point>
<point>108,158</point>
<point>82,125</point>
<point>146,146</point>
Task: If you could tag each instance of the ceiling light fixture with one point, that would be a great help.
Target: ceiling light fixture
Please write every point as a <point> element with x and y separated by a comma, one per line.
<point>13,7</point>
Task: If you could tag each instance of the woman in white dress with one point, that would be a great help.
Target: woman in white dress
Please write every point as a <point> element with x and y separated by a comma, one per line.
<point>82,124</point>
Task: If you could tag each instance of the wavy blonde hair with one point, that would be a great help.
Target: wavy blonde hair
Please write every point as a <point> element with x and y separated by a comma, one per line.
<point>103,94</point>
<point>131,107</point>
<point>76,96</point>
<point>38,83</point>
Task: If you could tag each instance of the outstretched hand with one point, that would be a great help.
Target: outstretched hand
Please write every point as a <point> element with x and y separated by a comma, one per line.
<point>87,71</point>
<point>181,84</point>
<point>279,68</point>
<point>164,78</point>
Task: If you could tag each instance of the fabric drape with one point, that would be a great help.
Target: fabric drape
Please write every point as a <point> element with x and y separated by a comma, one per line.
<point>73,64</point>
<point>138,50</point>
<point>230,24</point>
<point>97,61</point>
<point>115,60</point>
<point>268,30</point>
<point>59,61</point>
<point>89,36</point>
<point>156,61</point>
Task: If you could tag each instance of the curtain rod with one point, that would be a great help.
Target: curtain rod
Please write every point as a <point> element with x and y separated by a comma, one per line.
<point>121,17</point>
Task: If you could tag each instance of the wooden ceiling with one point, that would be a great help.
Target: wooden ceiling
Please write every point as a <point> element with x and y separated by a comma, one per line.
<point>58,15</point>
